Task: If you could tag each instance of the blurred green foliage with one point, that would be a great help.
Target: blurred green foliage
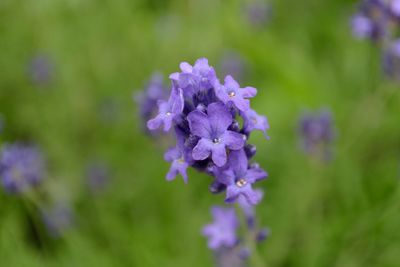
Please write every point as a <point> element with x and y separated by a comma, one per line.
<point>344,213</point>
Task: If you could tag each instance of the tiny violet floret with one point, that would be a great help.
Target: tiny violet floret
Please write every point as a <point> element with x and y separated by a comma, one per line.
<point>238,178</point>
<point>212,129</point>
<point>168,110</point>
<point>178,164</point>
<point>222,232</point>
<point>231,92</point>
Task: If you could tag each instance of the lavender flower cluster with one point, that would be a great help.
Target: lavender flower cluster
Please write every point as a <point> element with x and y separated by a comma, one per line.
<point>21,167</point>
<point>379,21</point>
<point>205,116</point>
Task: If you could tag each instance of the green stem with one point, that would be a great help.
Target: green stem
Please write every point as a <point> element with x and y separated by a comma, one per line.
<point>250,241</point>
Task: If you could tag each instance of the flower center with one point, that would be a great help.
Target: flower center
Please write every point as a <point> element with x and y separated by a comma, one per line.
<point>241,182</point>
<point>254,120</point>
<point>168,113</point>
<point>216,140</point>
<point>231,94</point>
<point>181,160</point>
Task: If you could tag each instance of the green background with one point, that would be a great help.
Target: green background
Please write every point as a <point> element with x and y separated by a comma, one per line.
<point>345,213</point>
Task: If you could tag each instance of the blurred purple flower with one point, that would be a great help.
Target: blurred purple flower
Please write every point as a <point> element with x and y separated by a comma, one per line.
<point>222,232</point>
<point>371,21</point>
<point>395,8</point>
<point>147,100</point>
<point>316,132</point>
<point>40,70</point>
<point>391,60</point>
<point>362,26</point>
<point>258,12</point>
<point>98,176</point>
<point>57,219</point>
<point>21,167</point>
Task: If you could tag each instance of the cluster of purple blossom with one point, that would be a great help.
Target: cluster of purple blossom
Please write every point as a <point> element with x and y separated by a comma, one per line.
<point>212,122</point>
<point>204,115</point>
<point>379,21</point>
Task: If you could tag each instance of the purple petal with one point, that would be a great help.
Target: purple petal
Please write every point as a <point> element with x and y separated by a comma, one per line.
<point>219,154</point>
<point>172,154</point>
<point>177,167</point>
<point>186,67</point>
<point>167,122</point>
<point>241,103</point>
<point>202,150</point>
<point>230,82</point>
<point>220,118</point>
<point>232,193</point>
<point>174,76</point>
<point>155,123</point>
<point>233,140</point>
<point>176,101</point>
<point>238,163</point>
<point>201,63</point>
<point>199,124</point>
<point>253,197</point>
<point>249,92</point>
<point>255,174</point>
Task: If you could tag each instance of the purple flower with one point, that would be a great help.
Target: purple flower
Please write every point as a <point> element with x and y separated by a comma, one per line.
<point>212,129</point>
<point>391,60</point>
<point>57,219</point>
<point>316,131</point>
<point>239,178</point>
<point>231,92</point>
<point>372,20</point>
<point>168,111</point>
<point>148,99</point>
<point>21,167</point>
<point>178,164</point>
<point>395,7</point>
<point>362,26</point>
<point>195,78</point>
<point>222,232</point>
<point>258,12</point>
<point>40,70</point>
<point>254,121</point>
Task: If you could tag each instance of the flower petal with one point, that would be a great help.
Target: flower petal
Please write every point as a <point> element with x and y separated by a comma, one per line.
<point>202,150</point>
<point>233,140</point>
<point>255,174</point>
<point>220,118</point>
<point>248,92</point>
<point>155,123</point>
<point>219,154</point>
<point>199,124</point>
